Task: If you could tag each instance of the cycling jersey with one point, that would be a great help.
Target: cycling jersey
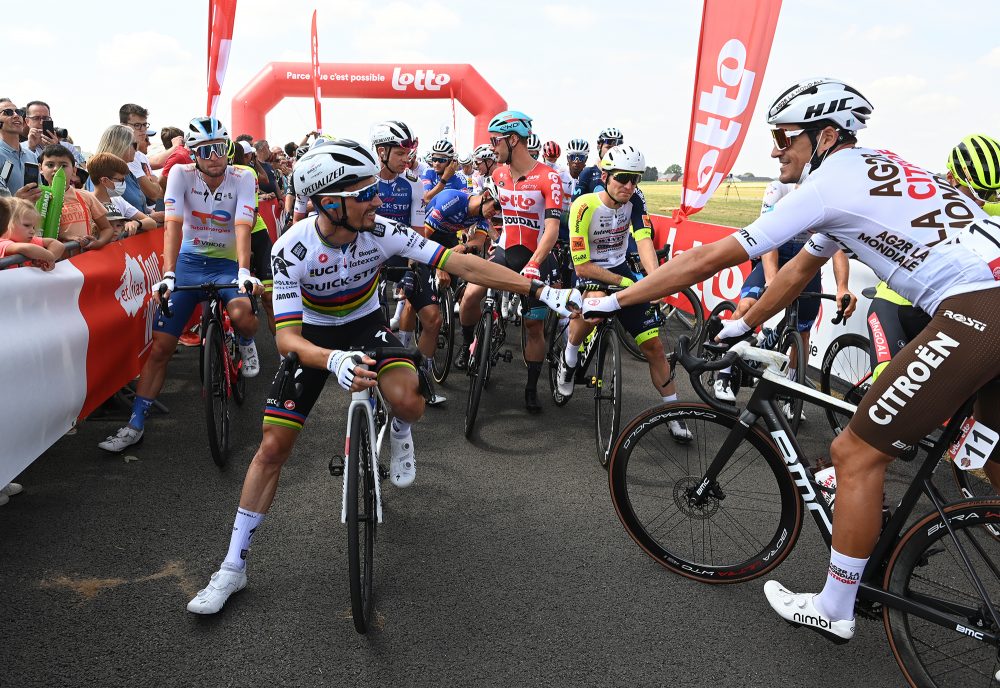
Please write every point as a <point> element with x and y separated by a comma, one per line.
<point>527,203</point>
<point>209,218</point>
<point>321,284</point>
<point>568,186</point>
<point>259,223</point>
<point>430,179</point>
<point>448,217</point>
<point>402,199</point>
<point>599,233</point>
<point>589,181</point>
<point>913,229</point>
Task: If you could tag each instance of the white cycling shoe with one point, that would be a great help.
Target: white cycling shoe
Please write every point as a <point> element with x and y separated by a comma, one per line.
<point>799,609</point>
<point>251,361</point>
<point>223,583</point>
<point>122,440</point>
<point>565,377</point>
<point>403,464</point>
<point>786,408</point>
<point>724,390</point>
<point>679,431</point>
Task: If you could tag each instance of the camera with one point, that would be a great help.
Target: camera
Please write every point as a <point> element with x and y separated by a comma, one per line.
<point>62,133</point>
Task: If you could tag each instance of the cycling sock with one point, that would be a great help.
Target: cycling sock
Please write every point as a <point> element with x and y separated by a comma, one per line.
<point>791,376</point>
<point>534,370</point>
<point>405,338</point>
<point>399,310</point>
<point>244,341</point>
<point>140,407</point>
<point>468,333</point>
<point>400,428</point>
<point>670,397</point>
<point>244,527</point>
<point>726,372</point>
<point>572,354</point>
<point>841,589</point>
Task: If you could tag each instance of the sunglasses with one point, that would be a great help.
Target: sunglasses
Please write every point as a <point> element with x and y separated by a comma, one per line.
<point>440,159</point>
<point>9,112</point>
<point>361,195</point>
<point>626,178</point>
<point>577,158</point>
<point>783,137</point>
<point>494,140</point>
<point>206,150</point>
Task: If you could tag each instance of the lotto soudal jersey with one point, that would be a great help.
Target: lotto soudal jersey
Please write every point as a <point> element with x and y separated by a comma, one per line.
<point>209,218</point>
<point>402,199</point>
<point>526,203</point>
<point>599,233</point>
<point>917,232</point>
<point>448,217</point>
<point>321,284</point>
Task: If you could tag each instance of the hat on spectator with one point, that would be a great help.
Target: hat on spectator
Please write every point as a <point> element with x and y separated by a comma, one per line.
<point>247,148</point>
<point>113,213</point>
<point>152,132</point>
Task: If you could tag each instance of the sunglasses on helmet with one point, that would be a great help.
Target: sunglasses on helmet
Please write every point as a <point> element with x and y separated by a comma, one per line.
<point>361,195</point>
<point>206,150</point>
<point>626,178</point>
<point>783,138</point>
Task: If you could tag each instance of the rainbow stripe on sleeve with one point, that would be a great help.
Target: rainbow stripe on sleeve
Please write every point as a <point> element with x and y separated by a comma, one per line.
<point>293,319</point>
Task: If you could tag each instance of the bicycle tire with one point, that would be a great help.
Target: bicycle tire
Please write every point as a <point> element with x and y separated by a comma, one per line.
<point>753,468</point>
<point>361,521</point>
<point>925,555</point>
<point>791,343</point>
<point>607,409</point>
<point>479,370</point>
<point>216,395</point>
<point>686,318</point>
<point>556,337</point>
<point>845,374</point>
<point>441,364</point>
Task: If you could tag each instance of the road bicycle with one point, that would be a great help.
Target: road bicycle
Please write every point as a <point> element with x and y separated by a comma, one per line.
<point>441,360</point>
<point>485,352</point>
<point>221,364</point>
<point>729,508</point>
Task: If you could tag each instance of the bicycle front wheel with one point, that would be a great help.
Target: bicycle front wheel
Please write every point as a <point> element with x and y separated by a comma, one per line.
<point>846,373</point>
<point>607,393</point>
<point>479,369</point>
<point>927,568</point>
<point>446,335</point>
<point>215,390</point>
<point>747,519</point>
<point>683,316</point>
<point>361,521</point>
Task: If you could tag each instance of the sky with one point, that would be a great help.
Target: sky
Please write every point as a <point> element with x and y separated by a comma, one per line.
<point>927,67</point>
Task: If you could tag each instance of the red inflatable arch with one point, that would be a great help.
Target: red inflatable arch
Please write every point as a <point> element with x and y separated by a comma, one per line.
<point>294,79</point>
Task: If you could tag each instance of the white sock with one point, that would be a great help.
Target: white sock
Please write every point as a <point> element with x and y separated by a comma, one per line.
<point>841,589</point>
<point>405,338</point>
<point>670,397</point>
<point>791,376</point>
<point>572,354</point>
<point>399,310</point>
<point>244,527</point>
<point>400,428</point>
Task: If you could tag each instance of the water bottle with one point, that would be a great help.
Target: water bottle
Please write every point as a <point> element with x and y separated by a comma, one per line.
<point>826,479</point>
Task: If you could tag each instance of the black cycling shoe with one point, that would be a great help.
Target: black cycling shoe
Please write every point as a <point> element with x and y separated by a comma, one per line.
<point>531,400</point>
<point>462,359</point>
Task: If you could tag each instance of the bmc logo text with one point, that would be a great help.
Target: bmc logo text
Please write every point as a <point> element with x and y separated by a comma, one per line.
<point>422,80</point>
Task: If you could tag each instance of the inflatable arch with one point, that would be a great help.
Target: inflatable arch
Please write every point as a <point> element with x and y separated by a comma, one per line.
<point>280,80</point>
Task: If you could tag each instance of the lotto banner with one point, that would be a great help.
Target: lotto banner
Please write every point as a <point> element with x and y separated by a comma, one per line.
<point>732,55</point>
<point>74,336</point>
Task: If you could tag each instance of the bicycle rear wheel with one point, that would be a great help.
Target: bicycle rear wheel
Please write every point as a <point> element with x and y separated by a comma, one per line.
<point>925,567</point>
<point>361,521</point>
<point>607,393</point>
<point>479,369</point>
<point>749,517</point>
<point>723,311</point>
<point>791,345</point>
<point>684,317</point>
<point>845,374</point>
<point>216,394</point>
<point>446,335</point>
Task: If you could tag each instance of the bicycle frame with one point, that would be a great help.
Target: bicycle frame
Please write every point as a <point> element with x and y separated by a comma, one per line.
<point>365,401</point>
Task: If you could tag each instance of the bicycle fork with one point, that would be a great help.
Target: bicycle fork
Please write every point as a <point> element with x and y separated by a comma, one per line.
<point>362,402</point>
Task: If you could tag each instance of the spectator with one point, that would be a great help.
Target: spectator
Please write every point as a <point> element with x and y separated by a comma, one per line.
<point>108,172</point>
<point>119,140</point>
<point>36,113</point>
<point>136,118</point>
<point>172,139</point>
<point>180,156</point>
<point>11,125</point>
<point>81,210</point>
<point>245,137</point>
<point>290,149</point>
<point>21,223</point>
<point>268,180</point>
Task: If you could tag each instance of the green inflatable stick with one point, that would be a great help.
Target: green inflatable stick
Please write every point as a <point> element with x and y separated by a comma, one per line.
<point>50,205</point>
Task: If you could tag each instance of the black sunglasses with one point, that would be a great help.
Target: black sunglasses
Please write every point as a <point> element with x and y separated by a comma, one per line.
<point>577,157</point>
<point>626,178</point>
<point>440,159</point>
<point>9,112</point>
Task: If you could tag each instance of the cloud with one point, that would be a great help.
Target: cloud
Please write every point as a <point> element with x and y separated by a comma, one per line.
<point>892,32</point>
<point>991,59</point>
<point>570,16</point>
<point>903,84</point>
<point>26,36</point>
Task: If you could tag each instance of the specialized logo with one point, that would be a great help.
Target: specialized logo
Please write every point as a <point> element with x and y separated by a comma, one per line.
<point>894,398</point>
<point>383,335</point>
<point>219,218</point>
<point>421,80</point>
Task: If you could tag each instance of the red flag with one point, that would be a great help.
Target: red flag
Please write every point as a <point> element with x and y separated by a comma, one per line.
<point>315,77</point>
<point>220,38</point>
<point>732,55</point>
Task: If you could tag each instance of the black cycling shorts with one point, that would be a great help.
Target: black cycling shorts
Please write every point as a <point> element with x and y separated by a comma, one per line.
<point>641,320</point>
<point>260,258</point>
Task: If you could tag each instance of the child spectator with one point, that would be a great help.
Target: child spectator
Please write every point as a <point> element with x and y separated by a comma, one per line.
<point>81,210</point>
<point>108,172</point>
<point>21,221</point>
<point>119,140</point>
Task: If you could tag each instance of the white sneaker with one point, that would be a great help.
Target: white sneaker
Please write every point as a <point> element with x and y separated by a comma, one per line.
<point>724,389</point>
<point>403,465</point>
<point>565,377</point>
<point>679,431</point>
<point>251,363</point>
<point>12,489</point>
<point>125,438</point>
<point>223,583</point>
<point>799,609</point>
<point>786,408</point>
<point>505,306</point>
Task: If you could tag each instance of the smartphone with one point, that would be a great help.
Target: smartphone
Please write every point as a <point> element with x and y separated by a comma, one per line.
<point>30,173</point>
<point>48,126</point>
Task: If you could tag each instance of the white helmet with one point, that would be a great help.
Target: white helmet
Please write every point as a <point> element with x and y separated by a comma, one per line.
<point>393,133</point>
<point>612,135</point>
<point>333,167</point>
<point>465,159</point>
<point>623,158</point>
<point>443,148</point>
<point>490,187</point>
<point>815,100</point>
<point>533,143</point>
<point>578,146</point>
<point>484,152</point>
<point>202,130</point>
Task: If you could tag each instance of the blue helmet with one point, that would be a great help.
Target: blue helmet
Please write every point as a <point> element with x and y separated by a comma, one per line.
<point>511,122</point>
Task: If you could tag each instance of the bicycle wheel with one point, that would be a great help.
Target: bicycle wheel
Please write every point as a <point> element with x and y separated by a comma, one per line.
<point>479,369</point>
<point>555,335</point>
<point>361,521</point>
<point>751,514</point>
<point>791,345</point>
<point>216,394</point>
<point>240,385</point>
<point>682,318</point>
<point>723,311</point>
<point>926,567</point>
<point>846,374</point>
<point>628,342</point>
<point>607,393</point>
<point>446,335</point>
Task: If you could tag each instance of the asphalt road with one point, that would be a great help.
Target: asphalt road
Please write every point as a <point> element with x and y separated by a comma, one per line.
<point>504,564</point>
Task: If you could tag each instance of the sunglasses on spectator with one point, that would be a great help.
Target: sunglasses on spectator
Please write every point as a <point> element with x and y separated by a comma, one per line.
<point>361,195</point>
<point>9,112</point>
<point>783,137</point>
<point>626,178</point>
<point>440,159</point>
<point>206,150</point>
<point>578,157</point>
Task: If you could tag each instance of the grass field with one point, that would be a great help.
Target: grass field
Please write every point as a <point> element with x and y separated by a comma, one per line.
<point>730,209</point>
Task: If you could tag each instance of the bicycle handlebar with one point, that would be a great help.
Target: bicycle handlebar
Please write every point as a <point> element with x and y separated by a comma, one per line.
<point>207,286</point>
<point>731,356</point>
<point>845,301</point>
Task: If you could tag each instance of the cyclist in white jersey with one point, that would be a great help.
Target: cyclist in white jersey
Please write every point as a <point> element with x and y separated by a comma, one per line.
<point>326,271</point>
<point>210,208</point>
<point>485,161</point>
<point>915,230</point>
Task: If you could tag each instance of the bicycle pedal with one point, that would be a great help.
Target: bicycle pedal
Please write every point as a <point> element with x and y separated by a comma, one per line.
<point>383,472</point>
<point>337,466</point>
<point>593,382</point>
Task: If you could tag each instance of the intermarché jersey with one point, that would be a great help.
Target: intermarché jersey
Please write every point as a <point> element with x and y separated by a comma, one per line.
<point>527,203</point>
<point>402,199</point>
<point>321,284</point>
<point>599,233</point>
<point>448,216</point>
<point>917,232</point>
<point>209,218</point>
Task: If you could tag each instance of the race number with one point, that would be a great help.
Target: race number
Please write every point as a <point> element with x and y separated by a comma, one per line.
<point>983,239</point>
<point>974,445</point>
